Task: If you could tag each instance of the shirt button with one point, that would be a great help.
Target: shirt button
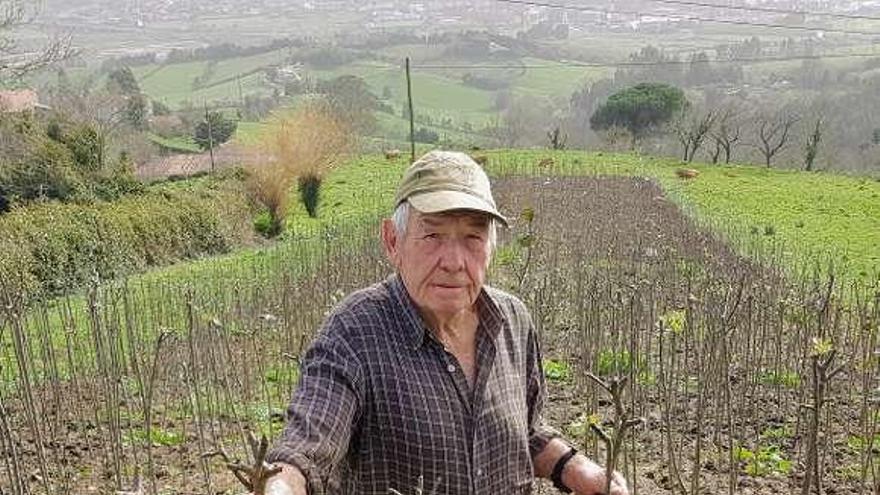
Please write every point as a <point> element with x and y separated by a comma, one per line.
<point>451,368</point>
<point>479,472</point>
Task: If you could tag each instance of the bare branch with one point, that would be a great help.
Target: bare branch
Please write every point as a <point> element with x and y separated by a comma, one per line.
<point>15,64</point>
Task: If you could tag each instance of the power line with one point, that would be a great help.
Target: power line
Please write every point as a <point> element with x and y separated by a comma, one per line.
<point>771,10</point>
<point>645,64</point>
<point>688,17</point>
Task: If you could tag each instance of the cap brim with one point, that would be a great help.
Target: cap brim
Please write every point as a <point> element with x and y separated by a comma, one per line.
<point>440,201</point>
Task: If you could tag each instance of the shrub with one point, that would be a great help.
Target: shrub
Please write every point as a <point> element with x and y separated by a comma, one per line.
<point>4,200</point>
<point>310,193</point>
<point>424,135</point>
<point>220,127</point>
<point>303,147</point>
<point>43,170</point>
<point>53,248</point>
<point>64,161</point>
<point>85,145</point>
<point>557,371</point>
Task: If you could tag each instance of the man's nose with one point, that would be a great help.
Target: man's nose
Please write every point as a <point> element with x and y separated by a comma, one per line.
<point>453,255</point>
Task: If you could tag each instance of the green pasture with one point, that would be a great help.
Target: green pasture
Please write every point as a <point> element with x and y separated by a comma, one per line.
<point>175,84</point>
<point>816,217</point>
<point>177,144</point>
<point>433,93</point>
<point>553,82</point>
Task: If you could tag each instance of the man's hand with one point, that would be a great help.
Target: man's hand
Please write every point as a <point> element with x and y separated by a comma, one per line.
<point>581,475</point>
<point>289,481</point>
<point>585,477</point>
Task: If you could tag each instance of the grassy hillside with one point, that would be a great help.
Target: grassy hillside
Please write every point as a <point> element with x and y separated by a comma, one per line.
<point>809,216</point>
<point>828,216</point>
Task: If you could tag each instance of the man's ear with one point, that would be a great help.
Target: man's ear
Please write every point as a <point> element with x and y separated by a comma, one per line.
<point>390,241</point>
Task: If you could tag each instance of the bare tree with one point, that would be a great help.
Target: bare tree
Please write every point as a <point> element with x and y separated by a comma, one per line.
<point>812,145</point>
<point>557,138</point>
<point>726,134</point>
<point>519,125</point>
<point>15,64</point>
<point>101,109</point>
<point>772,134</point>
<point>692,129</point>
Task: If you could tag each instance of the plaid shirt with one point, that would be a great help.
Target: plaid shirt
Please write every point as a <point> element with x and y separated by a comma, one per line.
<point>380,404</point>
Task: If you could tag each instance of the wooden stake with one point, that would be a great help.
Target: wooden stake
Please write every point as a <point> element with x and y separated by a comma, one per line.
<point>210,136</point>
<point>412,125</point>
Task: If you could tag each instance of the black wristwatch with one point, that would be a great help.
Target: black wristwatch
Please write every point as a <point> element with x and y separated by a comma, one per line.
<point>556,477</point>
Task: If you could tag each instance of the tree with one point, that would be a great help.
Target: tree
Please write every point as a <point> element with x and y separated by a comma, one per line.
<point>123,83</point>
<point>122,80</point>
<point>772,134</point>
<point>726,134</point>
<point>812,146</point>
<point>352,100</point>
<point>557,138</point>
<point>692,129</point>
<point>522,122</point>
<point>85,145</point>
<point>216,130</point>
<point>651,64</point>
<point>582,104</point>
<point>639,109</point>
<point>100,109</point>
<point>14,65</point>
<point>700,70</point>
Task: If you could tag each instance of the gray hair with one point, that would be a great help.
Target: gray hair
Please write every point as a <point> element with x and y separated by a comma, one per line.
<point>401,218</point>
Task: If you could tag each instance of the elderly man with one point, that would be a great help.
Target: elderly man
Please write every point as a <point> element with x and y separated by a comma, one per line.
<point>429,379</point>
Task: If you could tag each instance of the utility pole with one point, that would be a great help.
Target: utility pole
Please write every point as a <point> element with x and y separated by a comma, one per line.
<point>240,92</point>
<point>210,136</point>
<point>412,124</point>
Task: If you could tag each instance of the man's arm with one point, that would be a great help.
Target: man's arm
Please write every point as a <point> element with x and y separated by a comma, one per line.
<point>321,416</point>
<point>290,481</point>
<point>581,475</point>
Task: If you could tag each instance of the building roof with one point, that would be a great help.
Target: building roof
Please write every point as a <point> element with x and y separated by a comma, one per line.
<point>15,101</point>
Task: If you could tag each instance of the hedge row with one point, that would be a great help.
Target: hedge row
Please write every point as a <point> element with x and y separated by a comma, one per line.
<point>54,248</point>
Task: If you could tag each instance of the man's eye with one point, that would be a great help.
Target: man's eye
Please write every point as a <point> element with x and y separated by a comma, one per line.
<point>432,236</point>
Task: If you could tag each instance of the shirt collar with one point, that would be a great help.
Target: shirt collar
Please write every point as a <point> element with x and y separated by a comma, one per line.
<point>414,327</point>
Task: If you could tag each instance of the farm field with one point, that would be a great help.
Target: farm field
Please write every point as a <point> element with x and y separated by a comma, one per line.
<point>628,270</point>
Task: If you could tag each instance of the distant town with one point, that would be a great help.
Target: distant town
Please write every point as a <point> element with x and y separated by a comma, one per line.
<point>385,14</point>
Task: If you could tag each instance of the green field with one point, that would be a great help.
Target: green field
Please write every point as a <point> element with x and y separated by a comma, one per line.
<point>816,217</point>
<point>228,80</point>
<point>812,217</point>
<point>180,144</point>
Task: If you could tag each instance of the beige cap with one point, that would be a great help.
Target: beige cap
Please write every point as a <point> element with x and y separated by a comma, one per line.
<point>447,180</point>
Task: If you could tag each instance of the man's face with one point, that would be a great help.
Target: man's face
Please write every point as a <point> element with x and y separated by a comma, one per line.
<point>442,259</point>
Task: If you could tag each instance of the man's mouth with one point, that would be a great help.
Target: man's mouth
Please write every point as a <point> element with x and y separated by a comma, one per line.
<point>449,286</point>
